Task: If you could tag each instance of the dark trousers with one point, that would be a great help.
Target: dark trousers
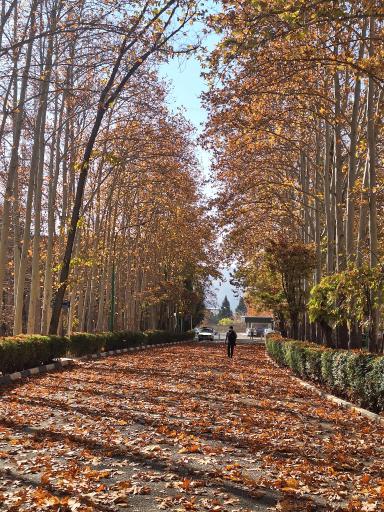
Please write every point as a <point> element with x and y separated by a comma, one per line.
<point>230,349</point>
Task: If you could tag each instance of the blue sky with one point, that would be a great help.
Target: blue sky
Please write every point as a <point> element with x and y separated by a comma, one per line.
<point>186,88</point>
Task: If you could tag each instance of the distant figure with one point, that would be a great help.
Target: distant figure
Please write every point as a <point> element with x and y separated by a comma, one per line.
<point>230,340</point>
<point>252,333</point>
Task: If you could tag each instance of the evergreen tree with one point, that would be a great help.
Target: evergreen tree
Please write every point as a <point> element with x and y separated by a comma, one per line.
<point>241,308</point>
<point>225,310</point>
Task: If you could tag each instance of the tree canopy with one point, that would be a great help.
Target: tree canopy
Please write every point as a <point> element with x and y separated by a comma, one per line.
<point>99,176</point>
<point>295,122</point>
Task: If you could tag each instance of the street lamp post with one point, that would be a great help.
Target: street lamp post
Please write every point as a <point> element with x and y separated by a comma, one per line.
<point>113,300</point>
<point>113,284</point>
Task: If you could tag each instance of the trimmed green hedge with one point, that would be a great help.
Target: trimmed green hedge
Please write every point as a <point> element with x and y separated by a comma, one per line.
<point>19,353</point>
<point>22,352</point>
<point>124,339</point>
<point>355,375</point>
<point>156,337</point>
<point>83,343</point>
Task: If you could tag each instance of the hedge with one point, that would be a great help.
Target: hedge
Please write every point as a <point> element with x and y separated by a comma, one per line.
<point>22,352</point>
<point>83,343</point>
<point>355,375</point>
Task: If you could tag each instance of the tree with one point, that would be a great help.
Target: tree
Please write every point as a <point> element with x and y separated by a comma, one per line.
<point>241,308</point>
<point>294,119</point>
<point>346,298</point>
<point>99,178</point>
<point>323,308</point>
<point>147,32</point>
<point>225,321</point>
<point>293,262</point>
<point>263,289</point>
<point>225,310</point>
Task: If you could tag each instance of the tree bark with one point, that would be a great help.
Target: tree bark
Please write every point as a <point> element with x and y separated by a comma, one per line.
<point>364,201</point>
<point>371,139</point>
<point>330,221</point>
<point>33,318</point>
<point>339,178</point>
<point>54,169</point>
<point>350,253</point>
<point>13,164</point>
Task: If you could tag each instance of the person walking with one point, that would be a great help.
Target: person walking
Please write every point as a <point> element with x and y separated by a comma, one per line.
<point>252,333</point>
<point>230,340</point>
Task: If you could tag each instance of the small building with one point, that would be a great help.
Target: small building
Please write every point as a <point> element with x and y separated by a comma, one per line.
<point>262,320</point>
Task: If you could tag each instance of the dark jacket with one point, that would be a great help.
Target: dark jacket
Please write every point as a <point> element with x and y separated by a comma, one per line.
<point>231,337</point>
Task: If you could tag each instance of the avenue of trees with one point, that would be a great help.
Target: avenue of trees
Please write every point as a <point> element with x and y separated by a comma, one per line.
<point>295,125</point>
<point>101,224</point>
<point>99,180</point>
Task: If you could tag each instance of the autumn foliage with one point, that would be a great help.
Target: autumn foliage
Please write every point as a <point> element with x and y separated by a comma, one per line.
<point>99,177</point>
<point>295,125</point>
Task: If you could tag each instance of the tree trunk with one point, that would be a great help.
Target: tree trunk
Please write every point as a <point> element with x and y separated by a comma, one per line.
<point>34,299</point>
<point>371,139</point>
<point>342,336</point>
<point>327,332</point>
<point>13,164</point>
<point>54,169</point>
<point>328,199</point>
<point>355,336</point>
<point>362,234</point>
<point>339,179</point>
<point>74,221</point>
<point>294,318</point>
<point>353,160</point>
<point>318,271</point>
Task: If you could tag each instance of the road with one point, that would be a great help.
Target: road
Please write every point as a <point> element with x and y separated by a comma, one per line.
<point>183,428</point>
<point>241,338</point>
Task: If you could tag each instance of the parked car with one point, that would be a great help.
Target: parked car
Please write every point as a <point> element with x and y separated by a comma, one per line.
<point>267,331</point>
<point>207,334</point>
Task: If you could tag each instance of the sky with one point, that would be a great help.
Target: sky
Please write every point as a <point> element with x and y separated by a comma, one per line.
<point>186,88</point>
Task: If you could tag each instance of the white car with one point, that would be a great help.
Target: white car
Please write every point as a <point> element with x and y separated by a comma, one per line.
<point>206,333</point>
<point>267,331</point>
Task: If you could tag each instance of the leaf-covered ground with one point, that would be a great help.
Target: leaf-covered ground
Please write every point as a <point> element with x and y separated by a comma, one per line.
<point>184,428</point>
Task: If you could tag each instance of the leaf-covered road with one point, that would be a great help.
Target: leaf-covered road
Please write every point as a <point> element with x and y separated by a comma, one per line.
<point>183,428</point>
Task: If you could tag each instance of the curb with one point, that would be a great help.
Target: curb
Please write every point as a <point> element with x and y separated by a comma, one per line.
<point>340,402</point>
<point>332,398</point>
<point>120,351</point>
<point>9,378</point>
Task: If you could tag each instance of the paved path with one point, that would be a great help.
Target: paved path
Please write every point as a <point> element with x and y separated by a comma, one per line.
<point>183,429</point>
